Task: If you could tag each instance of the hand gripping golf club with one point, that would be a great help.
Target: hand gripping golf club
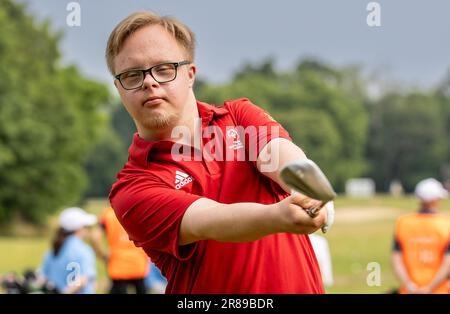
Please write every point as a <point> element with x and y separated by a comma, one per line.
<point>305,176</point>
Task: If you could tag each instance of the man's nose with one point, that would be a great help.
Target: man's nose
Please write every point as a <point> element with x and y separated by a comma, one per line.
<point>149,81</point>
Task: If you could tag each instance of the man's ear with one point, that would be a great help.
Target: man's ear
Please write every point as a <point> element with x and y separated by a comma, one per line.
<point>192,72</point>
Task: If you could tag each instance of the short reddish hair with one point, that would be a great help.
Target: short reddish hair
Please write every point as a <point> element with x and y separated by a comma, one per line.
<point>183,35</point>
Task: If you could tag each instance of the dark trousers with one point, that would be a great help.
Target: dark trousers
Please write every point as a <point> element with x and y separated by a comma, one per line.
<point>121,286</point>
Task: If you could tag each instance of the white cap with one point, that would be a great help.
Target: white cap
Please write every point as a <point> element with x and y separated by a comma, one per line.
<point>430,189</point>
<point>74,218</point>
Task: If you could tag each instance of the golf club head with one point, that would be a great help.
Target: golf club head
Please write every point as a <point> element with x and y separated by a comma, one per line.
<point>305,176</point>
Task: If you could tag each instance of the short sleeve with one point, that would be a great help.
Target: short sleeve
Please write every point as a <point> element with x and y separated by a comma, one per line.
<point>248,115</point>
<point>151,213</point>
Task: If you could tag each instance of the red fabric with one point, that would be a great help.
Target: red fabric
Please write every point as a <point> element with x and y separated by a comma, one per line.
<point>150,207</point>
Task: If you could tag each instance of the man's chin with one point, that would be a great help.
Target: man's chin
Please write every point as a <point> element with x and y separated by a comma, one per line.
<point>158,122</point>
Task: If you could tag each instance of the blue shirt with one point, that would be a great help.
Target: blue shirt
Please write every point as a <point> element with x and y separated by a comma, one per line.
<point>75,259</point>
<point>154,276</point>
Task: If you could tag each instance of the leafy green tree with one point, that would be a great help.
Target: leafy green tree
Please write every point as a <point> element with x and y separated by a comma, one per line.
<point>442,95</point>
<point>105,160</point>
<point>322,107</point>
<point>49,117</point>
<point>407,138</point>
<point>110,153</point>
<point>123,125</point>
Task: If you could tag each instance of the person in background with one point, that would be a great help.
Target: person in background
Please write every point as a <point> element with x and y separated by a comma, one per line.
<point>155,282</point>
<point>70,264</point>
<point>127,265</point>
<point>421,252</point>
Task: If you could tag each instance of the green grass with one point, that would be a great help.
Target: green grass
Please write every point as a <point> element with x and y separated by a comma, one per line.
<point>19,254</point>
<point>353,247</point>
<point>353,244</point>
<point>408,203</point>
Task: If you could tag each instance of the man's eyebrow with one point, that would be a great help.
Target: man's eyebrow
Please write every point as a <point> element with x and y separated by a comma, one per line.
<point>144,67</point>
<point>130,69</point>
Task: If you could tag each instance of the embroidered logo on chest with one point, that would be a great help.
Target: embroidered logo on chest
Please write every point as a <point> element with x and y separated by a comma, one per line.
<point>181,179</point>
<point>237,144</point>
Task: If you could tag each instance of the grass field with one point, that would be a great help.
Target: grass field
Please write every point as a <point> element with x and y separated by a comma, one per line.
<point>362,234</point>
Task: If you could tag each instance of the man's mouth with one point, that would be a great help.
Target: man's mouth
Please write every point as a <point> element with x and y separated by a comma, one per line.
<point>152,101</point>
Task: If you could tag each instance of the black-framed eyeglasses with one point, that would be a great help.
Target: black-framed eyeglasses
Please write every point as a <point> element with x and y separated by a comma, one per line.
<point>162,73</point>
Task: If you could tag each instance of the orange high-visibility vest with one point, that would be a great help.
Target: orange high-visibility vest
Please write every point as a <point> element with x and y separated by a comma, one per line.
<point>126,261</point>
<point>424,239</point>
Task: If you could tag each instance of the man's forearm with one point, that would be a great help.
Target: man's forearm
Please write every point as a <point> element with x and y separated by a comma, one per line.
<point>275,155</point>
<point>206,219</point>
<point>239,222</point>
<point>400,271</point>
<point>442,273</point>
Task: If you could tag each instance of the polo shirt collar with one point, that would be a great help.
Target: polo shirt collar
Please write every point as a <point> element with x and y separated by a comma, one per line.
<point>207,112</point>
<point>426,211</point>
<point>140,148</point>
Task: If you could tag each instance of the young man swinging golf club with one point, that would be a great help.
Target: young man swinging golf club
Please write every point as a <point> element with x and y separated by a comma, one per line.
<point>211,224</point>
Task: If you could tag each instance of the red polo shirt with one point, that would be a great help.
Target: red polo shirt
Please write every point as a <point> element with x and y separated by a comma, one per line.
<point>153,192</point>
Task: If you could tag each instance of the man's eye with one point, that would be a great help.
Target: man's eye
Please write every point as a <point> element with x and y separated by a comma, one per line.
<point>163,69</point>
<point>131,75</point>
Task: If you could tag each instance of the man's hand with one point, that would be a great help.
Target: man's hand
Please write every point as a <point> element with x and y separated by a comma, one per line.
<point>411,287</point>
<point>423,290</point>
<point>293,218</point>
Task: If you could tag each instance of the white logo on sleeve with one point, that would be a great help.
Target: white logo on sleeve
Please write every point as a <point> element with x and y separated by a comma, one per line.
<point>181,179</point>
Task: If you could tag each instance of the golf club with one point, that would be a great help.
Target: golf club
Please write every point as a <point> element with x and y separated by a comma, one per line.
<point>306,177</point>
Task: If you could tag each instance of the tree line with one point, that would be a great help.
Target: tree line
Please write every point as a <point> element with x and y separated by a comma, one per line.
<point>63,136</point>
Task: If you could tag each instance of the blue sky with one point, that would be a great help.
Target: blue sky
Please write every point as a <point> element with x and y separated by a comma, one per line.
<point>412,44</point>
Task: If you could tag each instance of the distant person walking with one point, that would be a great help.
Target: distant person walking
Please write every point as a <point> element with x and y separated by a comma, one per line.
<point>127,265</point>
<point>421,252</point>
<point>70,264</point>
